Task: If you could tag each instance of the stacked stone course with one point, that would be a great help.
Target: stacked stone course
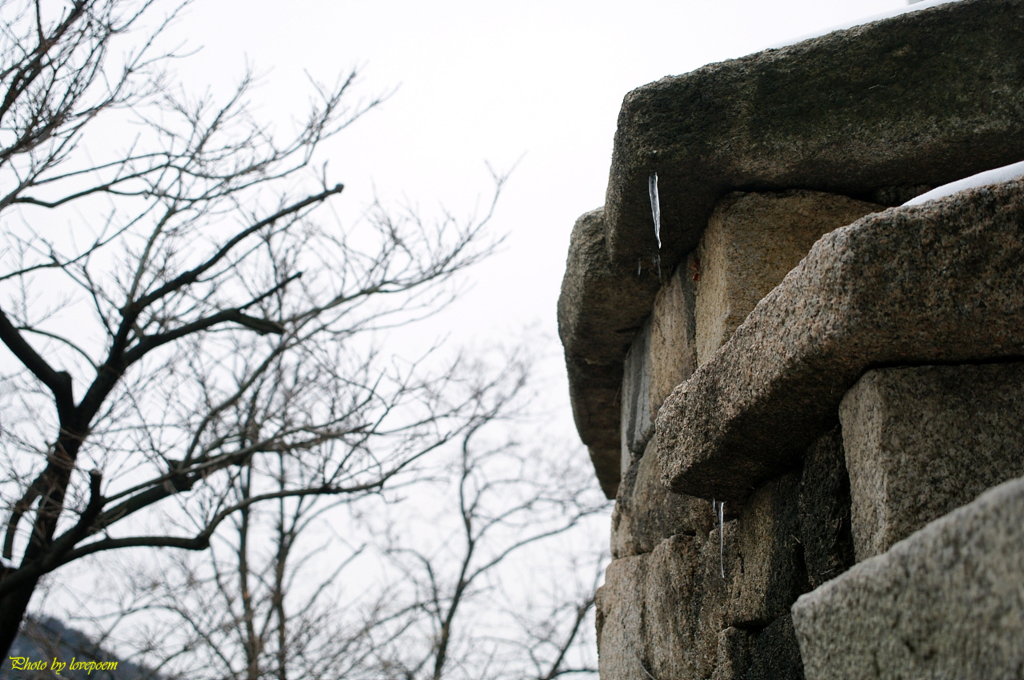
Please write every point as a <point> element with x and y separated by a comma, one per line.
<point>845,374</point>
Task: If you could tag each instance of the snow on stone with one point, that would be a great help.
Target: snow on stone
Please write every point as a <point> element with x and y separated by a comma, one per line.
<point>995,176</point>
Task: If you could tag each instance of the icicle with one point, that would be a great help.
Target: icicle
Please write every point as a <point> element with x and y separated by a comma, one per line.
<point>719,510</point>
<point>721,536</point>
<point>652,189</point>
<point>639,265</point>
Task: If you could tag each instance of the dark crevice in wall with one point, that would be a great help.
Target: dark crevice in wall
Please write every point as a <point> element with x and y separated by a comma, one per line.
<point>825,532</point>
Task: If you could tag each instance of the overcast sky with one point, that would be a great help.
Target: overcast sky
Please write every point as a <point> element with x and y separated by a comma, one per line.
<point>539,82</point>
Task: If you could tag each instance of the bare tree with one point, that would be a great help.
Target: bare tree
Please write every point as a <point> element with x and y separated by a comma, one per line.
<point>485,593</point>
<point>263,601</point>
<point>194,330</point>
<point>472,585</point>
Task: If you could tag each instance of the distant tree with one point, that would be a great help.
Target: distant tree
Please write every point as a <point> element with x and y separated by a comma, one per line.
<point>263,602</point>
<point>476,587</point>
<point>185,340</point>
<point>488,586</point>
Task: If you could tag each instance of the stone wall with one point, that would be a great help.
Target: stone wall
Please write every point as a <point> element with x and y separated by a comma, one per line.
<point>801,397</point>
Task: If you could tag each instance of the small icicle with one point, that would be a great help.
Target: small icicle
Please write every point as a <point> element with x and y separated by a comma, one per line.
<point>719,510</point>
<point>721,536</point>
<point>639,265</point>
<point>652,189</point>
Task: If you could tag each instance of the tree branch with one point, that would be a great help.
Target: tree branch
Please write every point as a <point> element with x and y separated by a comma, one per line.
<point>59,382</point>
<point>191,276</point>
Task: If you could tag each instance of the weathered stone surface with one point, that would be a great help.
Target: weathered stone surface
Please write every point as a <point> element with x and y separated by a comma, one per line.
<point>721,564</point>
<point>636,424</point>
<point>668,609</point>
<point>894,196</point>
<point>922,441</point>
<point>771,573</point>
<point>825,510</point>
<point>752,567</point>
<point>775,653</point>
<point>733,656</point>
<point>648,615</point>
<point>751,243</point>
<point>938,283</point>
<point>599,311</point>
<point>646,512</point>
<point>948,602</point>
<point>622,542</point>
<point>673,333</point>
<point>826,114</point>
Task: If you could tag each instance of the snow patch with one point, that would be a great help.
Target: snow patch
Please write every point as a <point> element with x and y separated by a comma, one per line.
<point>995,176</point>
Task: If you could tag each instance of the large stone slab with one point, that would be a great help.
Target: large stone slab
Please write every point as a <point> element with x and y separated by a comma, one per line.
<point>922,441</point>
<point>600,309</point>
<point>918,99</point>
<point>673,333</point>
<point>648,616</point>
<point>938,283</point>
<point>646,512</point>
<point>751,243</point>
<point>947,602</point>
<point>875,111</point>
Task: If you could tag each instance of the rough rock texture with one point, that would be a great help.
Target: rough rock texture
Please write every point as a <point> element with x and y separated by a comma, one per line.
<point>950,599</point>
<point>825,532</point>
<point>694,604</point>
<point>938,283</point>
<point>646,512</point>
<point>637,427</point>
<point>920,442</point>
<point>622,542</point>
<point>673,333</point>
<point>873,111</point>
<point>649,616</point>
<point>599,311</point>
<point>771,573</point>
<point>925,98</point>
<point>775,654</point>
<point>733,656</point>
<point>751,243</point>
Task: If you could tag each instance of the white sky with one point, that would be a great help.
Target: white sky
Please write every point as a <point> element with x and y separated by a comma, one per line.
<point>487,81</point>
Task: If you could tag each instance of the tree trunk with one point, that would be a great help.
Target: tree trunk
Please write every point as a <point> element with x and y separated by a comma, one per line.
<point>12,611</point>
